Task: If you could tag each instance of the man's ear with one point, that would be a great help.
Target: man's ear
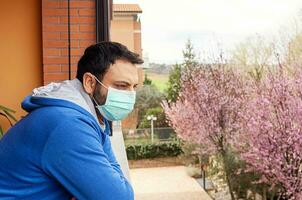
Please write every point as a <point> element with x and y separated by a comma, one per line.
<point>89,83</point>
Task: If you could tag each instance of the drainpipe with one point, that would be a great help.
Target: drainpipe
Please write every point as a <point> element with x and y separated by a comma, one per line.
<point>69,43</point>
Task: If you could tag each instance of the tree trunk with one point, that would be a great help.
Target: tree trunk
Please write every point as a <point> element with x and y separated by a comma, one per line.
<point>227,175</point>
<point>264,193</point>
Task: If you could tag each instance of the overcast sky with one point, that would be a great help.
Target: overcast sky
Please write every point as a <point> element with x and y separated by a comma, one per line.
<point>210,24</point>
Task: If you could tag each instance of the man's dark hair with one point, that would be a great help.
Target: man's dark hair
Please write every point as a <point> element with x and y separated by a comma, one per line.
<point>97,58</point>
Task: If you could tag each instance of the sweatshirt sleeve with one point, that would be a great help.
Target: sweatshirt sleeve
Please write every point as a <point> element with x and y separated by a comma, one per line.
<point>84,165</point>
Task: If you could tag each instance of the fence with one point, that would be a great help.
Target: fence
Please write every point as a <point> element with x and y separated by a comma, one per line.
<point>144,136</point>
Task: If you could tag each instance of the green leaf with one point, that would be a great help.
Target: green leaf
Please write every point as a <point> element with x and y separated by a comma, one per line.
<point>6,109</point>
<point>1,132</point>
<point>10,115</point>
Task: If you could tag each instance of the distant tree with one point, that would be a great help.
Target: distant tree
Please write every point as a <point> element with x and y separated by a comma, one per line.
<point>148,96</point>
<point>294,51</point>
<point>181,72</point>
<point>190,60</point>
<point>173,87</point>
<point>147,81</point>
<point>254,56</point>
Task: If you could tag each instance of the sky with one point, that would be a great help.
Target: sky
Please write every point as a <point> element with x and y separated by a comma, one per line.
<point>211,25</point>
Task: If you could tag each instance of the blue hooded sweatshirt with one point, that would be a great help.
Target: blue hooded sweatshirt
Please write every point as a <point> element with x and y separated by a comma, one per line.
<point>59,150</point>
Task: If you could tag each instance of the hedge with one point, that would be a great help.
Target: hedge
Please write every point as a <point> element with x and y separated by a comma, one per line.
<point>155,150</point>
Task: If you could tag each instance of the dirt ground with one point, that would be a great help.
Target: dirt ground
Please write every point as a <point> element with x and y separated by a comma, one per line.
<point>155,162</point>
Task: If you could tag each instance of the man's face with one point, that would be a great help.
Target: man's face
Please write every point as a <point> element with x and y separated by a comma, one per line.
<point>122,75</point>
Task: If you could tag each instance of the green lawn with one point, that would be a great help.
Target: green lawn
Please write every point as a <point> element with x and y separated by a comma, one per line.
<point>159,80</point>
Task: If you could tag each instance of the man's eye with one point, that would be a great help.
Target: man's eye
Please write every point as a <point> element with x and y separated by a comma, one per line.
<point>121,86</point>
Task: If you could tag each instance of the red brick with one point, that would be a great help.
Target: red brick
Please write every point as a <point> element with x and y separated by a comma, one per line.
<point>54,44</point>
<point>51,35</point>
<point>55,60</point>
<point>74,12</point>
<point>87,12</point>
<point>87,28</point>
<point>74,28</point>
<point>73,52</point>
<point>75,43</point>
<point>56,76</point>
<point>73,74</point>
<point>54,4</point>
<point>74,67</point>
<point>83,36</point>
<point>77,52</point>
<point>51,68</point>
<point>50,4</point>
<point>65,68</point>
<point>63,20</point>
<point>51,52</point>
<point>77,20</point>
<point>85,43</point>
<point>82,20</point>
<point>82,4</point>
<point>63,4</point>
<point>51,20</point>
<point>75,59</point>
<point>55,28</point>
<point>64,52</point>
<point>55,12</point>
<point>64,35</point>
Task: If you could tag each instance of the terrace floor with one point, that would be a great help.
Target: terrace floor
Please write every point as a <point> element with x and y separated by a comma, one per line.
<point>165,183</point>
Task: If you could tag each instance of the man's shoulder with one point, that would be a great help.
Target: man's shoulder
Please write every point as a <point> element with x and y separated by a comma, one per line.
<point>59,113</point>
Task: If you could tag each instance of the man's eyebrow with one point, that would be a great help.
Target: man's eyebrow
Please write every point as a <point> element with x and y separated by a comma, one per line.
<point>123,82</point>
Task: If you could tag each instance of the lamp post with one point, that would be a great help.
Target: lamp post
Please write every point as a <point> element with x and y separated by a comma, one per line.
<point>152,118</point>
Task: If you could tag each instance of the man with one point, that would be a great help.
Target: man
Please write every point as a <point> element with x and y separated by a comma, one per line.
<point>61,149</point>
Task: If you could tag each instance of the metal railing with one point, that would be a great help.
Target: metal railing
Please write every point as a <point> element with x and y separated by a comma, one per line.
<point>139,136</point>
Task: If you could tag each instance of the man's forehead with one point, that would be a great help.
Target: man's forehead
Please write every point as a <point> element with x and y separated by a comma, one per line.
<point>122,71</point>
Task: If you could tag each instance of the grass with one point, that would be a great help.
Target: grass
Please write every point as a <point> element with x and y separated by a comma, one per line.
<point>159,80</point>
<point>140,140</point>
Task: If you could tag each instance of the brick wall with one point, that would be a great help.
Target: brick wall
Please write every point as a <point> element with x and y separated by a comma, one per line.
<point>55,36</point>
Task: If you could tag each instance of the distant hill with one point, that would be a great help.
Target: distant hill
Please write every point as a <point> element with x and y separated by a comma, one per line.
<point>158,68</point>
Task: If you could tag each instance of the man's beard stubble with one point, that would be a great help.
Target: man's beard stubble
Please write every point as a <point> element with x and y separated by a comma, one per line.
<point>100,99</point>
<point>99,95</point>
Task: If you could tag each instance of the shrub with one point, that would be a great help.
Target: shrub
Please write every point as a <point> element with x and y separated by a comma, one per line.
<point>155,150</point>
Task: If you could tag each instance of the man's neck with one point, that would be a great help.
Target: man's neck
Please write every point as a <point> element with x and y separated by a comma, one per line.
<point>101,119</point>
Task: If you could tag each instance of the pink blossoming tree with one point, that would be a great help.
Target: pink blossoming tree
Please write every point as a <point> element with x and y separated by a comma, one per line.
<point>208,109</point>
<point>273,132</point>
<point>262,121</point>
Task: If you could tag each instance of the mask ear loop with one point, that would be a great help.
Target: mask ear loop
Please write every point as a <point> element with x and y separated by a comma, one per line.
<point>94,100</point>
<point>99,81</point>
<point>96,103</point>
